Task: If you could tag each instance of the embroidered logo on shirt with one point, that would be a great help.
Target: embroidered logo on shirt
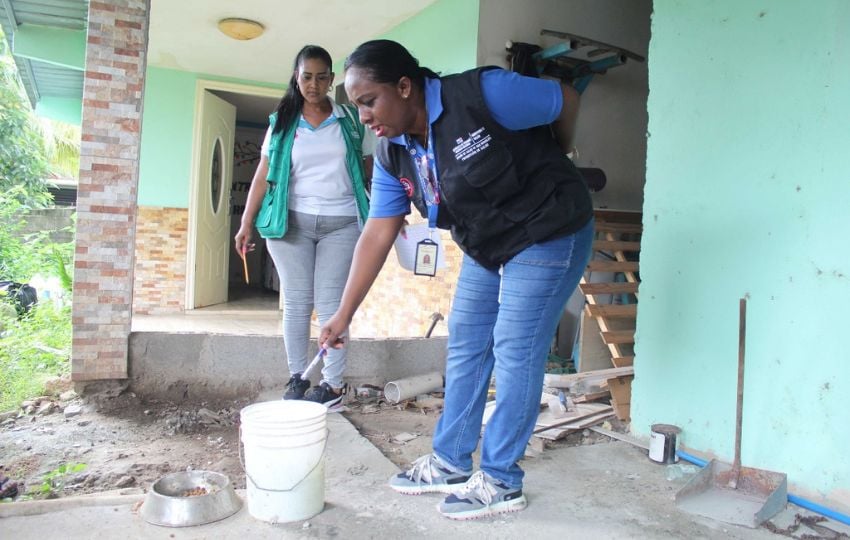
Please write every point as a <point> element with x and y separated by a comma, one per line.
<point>477,141</point>
<point>407,185</point>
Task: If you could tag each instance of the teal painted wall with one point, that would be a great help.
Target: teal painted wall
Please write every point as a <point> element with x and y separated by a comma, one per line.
<point>747,193</point>
<point>58,46</point>
<point>68,110</point>
<point>167,130</point>
<point>443,36</point>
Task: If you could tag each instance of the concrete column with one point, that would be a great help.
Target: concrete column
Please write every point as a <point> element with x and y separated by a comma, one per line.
<point>116,46</point>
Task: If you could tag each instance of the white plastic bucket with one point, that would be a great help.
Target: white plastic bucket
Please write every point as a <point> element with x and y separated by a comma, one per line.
<point>284,459</point>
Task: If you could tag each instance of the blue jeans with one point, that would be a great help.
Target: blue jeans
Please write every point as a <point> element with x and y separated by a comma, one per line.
<point>312,260</point>
<point>510,335</point>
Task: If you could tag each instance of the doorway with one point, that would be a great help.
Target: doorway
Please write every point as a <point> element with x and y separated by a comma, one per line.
<point>218,281</point>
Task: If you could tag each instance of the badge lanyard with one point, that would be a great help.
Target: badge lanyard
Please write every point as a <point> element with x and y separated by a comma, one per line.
<point>426,250</point>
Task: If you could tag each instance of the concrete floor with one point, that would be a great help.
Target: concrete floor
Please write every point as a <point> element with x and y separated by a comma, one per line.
<point>608,490</point>
<point>246,314</point>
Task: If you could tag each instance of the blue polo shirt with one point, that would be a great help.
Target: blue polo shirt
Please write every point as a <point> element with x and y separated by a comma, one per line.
<point>516,103</point>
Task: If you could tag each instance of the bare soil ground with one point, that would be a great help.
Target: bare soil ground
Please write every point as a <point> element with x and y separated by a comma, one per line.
<point>127,443</point>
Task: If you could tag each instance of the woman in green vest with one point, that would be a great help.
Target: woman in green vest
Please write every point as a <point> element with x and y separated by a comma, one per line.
<point>308,199</point>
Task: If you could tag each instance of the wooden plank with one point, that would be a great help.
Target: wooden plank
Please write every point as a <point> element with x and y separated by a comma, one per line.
<point>546,419</point>
<point>591,396</point>
<point>623,361</point>
<point>613,311</point>
<point>616,245</point>
<point>490,408</point>
<point>556,432</point>
<point>603,325</point>
<point>619,337</point>
<point>613,266</point>
<point>618,216</point>
<point>565,381</point>
<point>620,256</point>
<point>621,396</point>
<point>620,437</point>
<point>609,226</point>
<point>609,288</point>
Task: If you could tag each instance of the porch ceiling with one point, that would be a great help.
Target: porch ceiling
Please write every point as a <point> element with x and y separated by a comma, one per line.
<point>184,35</point>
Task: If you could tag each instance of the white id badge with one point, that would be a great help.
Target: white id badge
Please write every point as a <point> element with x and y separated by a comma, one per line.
<point>426,258</point>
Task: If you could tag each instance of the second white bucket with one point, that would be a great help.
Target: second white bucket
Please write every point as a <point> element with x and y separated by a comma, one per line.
<point>285,445</point>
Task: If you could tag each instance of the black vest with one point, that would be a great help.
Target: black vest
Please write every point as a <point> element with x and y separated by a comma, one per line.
<point>501,190</point>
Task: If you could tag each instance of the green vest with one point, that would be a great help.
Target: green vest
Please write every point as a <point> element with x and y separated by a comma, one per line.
<point>272,216</point>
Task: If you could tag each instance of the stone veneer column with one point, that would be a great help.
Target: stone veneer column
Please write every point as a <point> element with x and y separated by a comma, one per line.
<point>106,199</point>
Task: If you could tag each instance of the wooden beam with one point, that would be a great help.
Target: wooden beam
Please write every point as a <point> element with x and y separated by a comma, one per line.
<point>603,325</point>
<point>618,216</point>
<point>619,337</point>
<point>612,266</point>
<point>565,381</point>
<point>608,226</point>
<point>623,361</point>
<point>615,245</point>
<point>620,437</point>
<point>609,288</point>
<point>612,311</point>
<point>560,429</point>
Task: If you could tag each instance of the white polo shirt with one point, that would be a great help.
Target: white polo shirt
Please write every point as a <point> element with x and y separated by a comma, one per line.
<point>319,182</point>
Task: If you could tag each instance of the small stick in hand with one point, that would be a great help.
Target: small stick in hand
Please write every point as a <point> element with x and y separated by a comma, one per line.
<point>245,266</point>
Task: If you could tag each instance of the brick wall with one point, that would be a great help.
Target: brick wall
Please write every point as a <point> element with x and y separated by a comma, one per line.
<point>401,304</point>
<point>106,199</point>
<point>161,243</point>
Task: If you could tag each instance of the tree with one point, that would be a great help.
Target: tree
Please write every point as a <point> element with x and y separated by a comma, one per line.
<point>23,162</point>
<point>62,148</point>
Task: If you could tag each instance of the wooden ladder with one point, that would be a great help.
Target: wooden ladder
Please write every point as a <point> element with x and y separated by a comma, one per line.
<point>617,233</point>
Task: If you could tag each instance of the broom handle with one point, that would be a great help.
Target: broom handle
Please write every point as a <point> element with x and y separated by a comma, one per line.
<point>739,413</point>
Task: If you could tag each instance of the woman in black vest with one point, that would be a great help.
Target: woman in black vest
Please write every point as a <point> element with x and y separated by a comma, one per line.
<point>475,154</point>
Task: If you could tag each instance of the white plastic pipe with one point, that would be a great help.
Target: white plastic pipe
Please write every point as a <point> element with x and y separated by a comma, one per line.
<point>396,391</point>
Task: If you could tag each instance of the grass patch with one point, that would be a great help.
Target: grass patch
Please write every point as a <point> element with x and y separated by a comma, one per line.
<point>32,349</point>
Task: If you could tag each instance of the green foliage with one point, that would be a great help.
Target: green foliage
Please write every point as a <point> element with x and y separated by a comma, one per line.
<point>62,148</point>
<point>55,479</point>
<point>32,349</point>
<point>21,257</point>
<point>23,162</point>
<point>61,266</point>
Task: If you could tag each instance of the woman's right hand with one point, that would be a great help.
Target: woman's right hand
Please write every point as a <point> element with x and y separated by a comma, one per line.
<point>333,333</point>
<point>243,240</point>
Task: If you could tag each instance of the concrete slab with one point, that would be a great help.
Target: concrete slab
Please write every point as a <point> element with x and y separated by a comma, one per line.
<point>601,491</point>
<point>197,366</point>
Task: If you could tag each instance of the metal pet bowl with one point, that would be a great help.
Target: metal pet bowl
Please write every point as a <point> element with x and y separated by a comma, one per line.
<point>190,498</point>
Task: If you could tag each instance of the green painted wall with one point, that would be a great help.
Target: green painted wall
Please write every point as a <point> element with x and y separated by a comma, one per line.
<point>747,193</point>
<point>59,46</point>
<point>443,36</point>
<point>68,110</point>
<point>167,131</point>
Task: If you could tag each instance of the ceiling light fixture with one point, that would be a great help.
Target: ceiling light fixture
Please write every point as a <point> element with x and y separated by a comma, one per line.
<point>241,29</point>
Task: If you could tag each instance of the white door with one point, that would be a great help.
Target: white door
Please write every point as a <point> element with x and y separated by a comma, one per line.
<point>215,170</point>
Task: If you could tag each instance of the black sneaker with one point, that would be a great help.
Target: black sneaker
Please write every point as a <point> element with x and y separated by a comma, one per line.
<point>296,387</point>
<point>325,395</point>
